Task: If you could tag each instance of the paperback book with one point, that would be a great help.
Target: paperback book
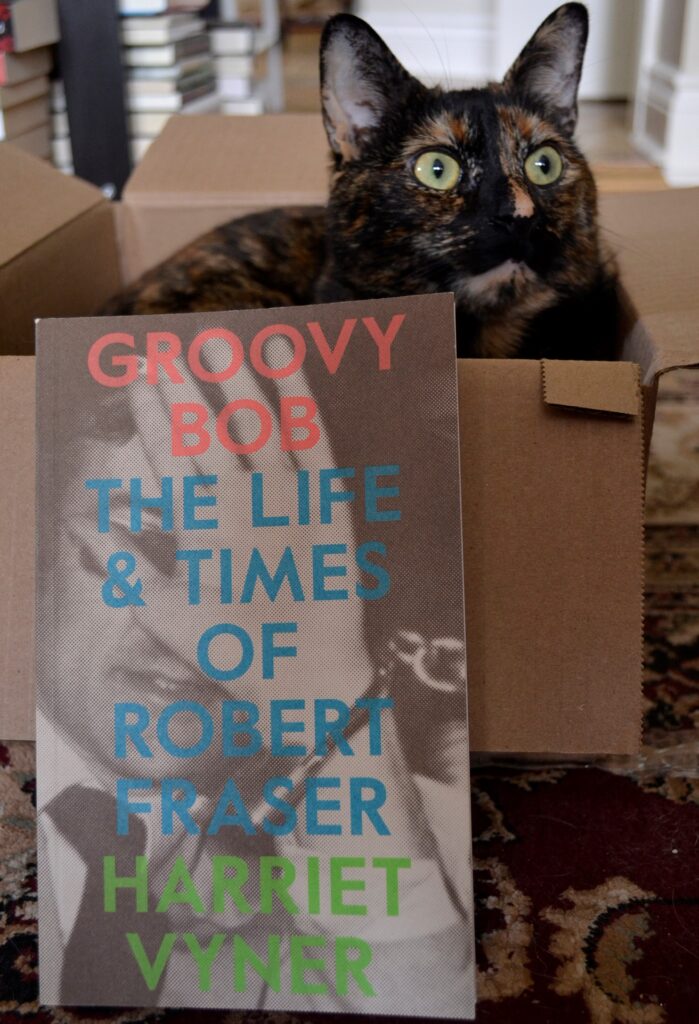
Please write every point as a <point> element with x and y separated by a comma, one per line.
<point>19,67</point>
<point>32,88</point>
<point>142,87</point>
<point>252,728</point>
<point>232,39</point>
<point>243,97</point>
<point>156,32</point>
<point>166,54</point>
<point>173,100</point>
<point>172,73</point>
<point>26,25</point>
<point>147,8</point>
<point>23,117</point>
<point>150,122</point>
<point>236,67</point>
<point>143,8</point>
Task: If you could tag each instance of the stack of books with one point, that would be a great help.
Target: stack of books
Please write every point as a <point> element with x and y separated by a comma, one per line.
<point>61,145</point>
<point>167,65</point>
<point>233,50</point>
<point>27,30</point>
<point>248,66</point>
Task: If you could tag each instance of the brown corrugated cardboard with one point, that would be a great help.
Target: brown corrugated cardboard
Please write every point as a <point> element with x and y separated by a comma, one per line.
<point>553,535</point>
<point>655,237</point>
<point>57,248</point>
<point>552,452</point>
<point>17,519</point>
<point>595,386</point>
<point>248,164</point>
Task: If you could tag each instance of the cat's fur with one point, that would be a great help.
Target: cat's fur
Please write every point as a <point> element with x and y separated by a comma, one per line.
<point>524,262</point>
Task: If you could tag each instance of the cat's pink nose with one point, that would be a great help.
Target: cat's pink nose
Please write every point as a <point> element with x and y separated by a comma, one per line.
<point>522,201</point>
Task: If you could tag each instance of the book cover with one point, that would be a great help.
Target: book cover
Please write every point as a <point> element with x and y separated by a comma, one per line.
<point>252,735</point>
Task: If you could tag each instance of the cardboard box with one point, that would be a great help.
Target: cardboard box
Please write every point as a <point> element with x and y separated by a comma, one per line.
<point>17,531</point>
<point>247,164</point>
<point>553,452</point>
<point>58,249</point>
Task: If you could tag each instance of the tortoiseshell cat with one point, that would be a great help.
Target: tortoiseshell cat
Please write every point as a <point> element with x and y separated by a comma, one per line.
<point>480,192</point>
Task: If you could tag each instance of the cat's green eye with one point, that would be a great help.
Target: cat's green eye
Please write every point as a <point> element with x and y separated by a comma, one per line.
<point>437,170</point>
<point>544,166</point>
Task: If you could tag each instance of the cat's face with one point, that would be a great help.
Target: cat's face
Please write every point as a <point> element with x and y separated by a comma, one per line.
<point>480,192</point>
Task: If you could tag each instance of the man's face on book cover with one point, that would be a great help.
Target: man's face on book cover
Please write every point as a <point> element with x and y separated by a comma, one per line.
<point>136,654</point>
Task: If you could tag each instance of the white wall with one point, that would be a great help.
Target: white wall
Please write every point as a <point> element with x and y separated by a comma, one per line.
<point>467,42</point>
<point>609,71</point>
<point>447,42</point>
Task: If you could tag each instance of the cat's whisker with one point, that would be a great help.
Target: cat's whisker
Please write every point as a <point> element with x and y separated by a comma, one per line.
<point>447,79</point>
<point>621,242</point>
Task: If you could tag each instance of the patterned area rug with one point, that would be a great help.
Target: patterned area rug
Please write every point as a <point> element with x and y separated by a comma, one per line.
<point>587,877</point>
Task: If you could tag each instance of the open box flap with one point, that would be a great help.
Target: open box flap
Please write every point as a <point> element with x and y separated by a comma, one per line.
<point>43,200</point>
<point>599,387</point>
<point>184,163</point>
<point>644,343</point>
<point>655,238</point>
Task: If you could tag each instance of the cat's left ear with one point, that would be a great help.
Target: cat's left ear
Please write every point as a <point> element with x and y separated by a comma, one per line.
<point>547,71</point>
<point>362,84</point>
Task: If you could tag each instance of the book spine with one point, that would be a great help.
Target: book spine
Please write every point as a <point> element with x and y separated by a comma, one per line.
<point>7,43</point>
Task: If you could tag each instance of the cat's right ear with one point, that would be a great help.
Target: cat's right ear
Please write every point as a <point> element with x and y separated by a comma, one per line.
<point>361,81</point>
<point>548,69</point>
